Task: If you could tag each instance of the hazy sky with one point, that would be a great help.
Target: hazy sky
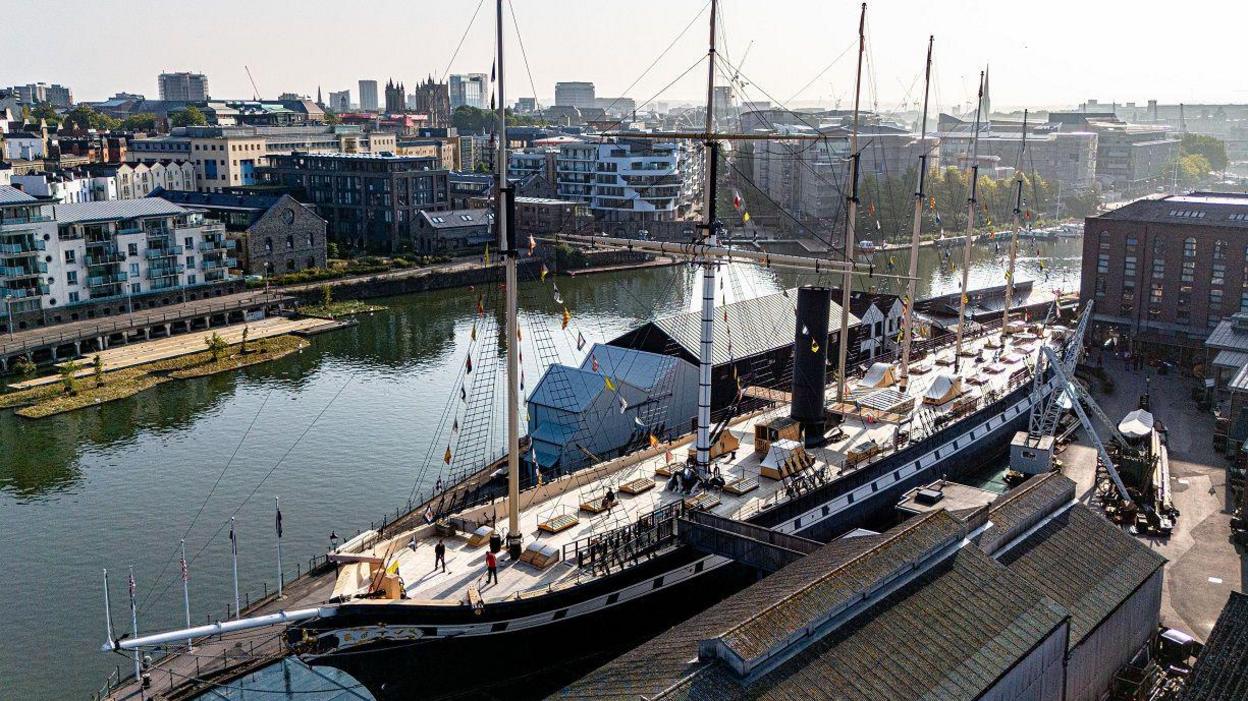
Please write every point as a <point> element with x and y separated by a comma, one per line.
<point>1059,52</point>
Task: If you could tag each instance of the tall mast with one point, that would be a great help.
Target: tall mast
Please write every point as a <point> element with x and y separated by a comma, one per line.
<point>710,238</point>
<point>507,244</point>
<point>919,196</point>
<point>1018,223</point>
<point>970,225</point>
<point>851,213</point>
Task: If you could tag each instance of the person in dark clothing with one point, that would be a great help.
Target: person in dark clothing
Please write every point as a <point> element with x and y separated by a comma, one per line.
<point>439,555</point>
<point>491,568</point>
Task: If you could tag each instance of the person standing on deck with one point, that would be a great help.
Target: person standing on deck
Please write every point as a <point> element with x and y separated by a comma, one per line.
<point>439,555</point>
<point>491,568</point>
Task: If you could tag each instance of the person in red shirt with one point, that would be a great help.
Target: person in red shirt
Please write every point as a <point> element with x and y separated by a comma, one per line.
<point>491,568</point>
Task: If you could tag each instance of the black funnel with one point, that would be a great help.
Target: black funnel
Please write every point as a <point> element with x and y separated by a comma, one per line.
<point>810,361</point>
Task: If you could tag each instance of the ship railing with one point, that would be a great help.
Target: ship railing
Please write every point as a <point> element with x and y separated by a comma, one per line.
<point>646,536</point>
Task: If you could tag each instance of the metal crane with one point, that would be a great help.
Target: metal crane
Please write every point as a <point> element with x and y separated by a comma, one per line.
<point>1080,397</point>
<point>255,91</point>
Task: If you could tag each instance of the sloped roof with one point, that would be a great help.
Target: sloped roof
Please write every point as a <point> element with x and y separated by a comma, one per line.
<point>638,368</point>
<point>567,388</point>
<point>1224,336</point>
<point>12,195</point>
<point>114,209</point>
<point>1221,671</point>
<point>754,326</point>
<point>457,218</point>
<point>1111,565</point>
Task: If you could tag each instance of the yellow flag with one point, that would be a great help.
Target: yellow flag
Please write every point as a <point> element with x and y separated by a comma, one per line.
<point>446,457</point>
<point>609,383</point>
<point>544,272</point>
<point>746,218</point>
<point>393,568</point>
<point>654,442</point>
<point>487,254</point>
<point>474,331</point>
<point>814,346</point>
<point>567,316</point>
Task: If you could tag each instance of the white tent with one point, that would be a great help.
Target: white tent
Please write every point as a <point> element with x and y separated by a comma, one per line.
<point>943,389</point>
<point>1138,424</point>
<point>784,457</point>
<point>879,375</point>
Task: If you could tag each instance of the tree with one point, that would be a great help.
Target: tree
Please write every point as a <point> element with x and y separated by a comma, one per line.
<point>1193,170</point>
<point>189,117</point>
<point>83,117</point>
<point>470,119</point>
<point>331,249</point>
<point>242,347</point>
<point>141,121</point>
<point>1212,149</point>
<point>45,111</point>
<point>23,366</point>
<point>327,296</point>
<point>332,118</point>
<point>69,376</point>
<point>97,364</point>
<point>216,346</point>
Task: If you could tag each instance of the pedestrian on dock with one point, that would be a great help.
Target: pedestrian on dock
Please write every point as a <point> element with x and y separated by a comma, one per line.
<point>491,568</point>
<point>439,555</point>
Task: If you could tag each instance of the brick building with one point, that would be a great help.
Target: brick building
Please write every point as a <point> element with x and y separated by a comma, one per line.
<point>1164,271</point>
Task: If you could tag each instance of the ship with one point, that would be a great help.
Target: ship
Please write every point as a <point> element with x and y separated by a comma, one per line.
<point>585,552</point>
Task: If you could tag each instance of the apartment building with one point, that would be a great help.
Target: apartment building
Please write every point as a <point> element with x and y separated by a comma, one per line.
<point>371,201</point>
<point>1065,158</point>
<point>368,95</point>
<point>1133,158</point>
<point>574,94</point>
<point>182,86</point>
<point>340,101</point>
<point>469,90</point>
<point>74,261</point>
<point>228,156</point>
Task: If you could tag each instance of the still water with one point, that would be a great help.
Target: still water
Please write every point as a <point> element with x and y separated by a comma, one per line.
<point>339,431</point>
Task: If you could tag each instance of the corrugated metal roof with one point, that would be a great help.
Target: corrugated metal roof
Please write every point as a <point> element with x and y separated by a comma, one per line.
<point>115,209</point>
<point>1225,337</point>
<point>12,195</point>
<point>567,388</point>
<point>1240,381</point>
<point>754,326</point>
<point>1221,671</point>
<point>1231,359</point>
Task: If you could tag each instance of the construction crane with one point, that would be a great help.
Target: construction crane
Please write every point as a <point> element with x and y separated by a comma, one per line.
<point>255,91</point>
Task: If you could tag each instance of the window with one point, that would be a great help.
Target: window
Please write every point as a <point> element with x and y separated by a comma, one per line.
<point>190,262</point>
<point>136,288</point>
<point>70,256</point>
<point>1215,301</point>
<point>132,249</point>
<point>1218,276</point>
<point>134,270</point>
<point>1103,240</point>
<point>73,297</point>
<point>189,242</point>
<point>1189,271</point>
<point>71,277</point>
<point>268,245</point>
<point>290,264</point>
<point>1128,272</point>
<point>1159,269</point>
<point>190,279</point>
<point>290,242</point>
<point>1189,248</point>
<point>1219,250</point>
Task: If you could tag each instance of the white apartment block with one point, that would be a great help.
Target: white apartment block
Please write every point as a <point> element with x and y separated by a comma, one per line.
<point>627,180</point>
<point>135,180</point>
<point>59,256</point>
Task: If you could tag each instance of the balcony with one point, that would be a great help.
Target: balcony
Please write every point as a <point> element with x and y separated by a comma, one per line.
<point>23,292</point>
<point>166,252</point>
<point>22,247</point>
<point>103,280</point>
<point>164,271</point>
<point>105,258</point>
<point>23,271</point>
<point>164,284</point>
<point>18,221</point>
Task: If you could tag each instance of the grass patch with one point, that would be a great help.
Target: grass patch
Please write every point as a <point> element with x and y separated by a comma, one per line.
<point>335,310</point>
<point>51,399</point>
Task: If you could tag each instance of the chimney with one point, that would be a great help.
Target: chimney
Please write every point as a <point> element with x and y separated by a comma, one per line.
<point>810,361</point>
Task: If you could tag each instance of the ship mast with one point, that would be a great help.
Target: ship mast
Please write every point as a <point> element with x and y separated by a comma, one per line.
<point>907,307</point>
<point>710,238</point>
<point>507,244</point>
<point>851,213</point>
<point>1018,223</point>
<point>970,226</point>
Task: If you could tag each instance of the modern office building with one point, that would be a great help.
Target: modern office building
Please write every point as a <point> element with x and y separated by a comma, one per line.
<point>574,94</point>
<point>183,87</point>
<point>368,95</point>
<point>1131,158</point>
<point>340,101</point>
<point>1164,271</point>
<point>58,96</point>
<point>469,90</point>
<point>76,261</point>
<point>1060,156</point>
<point>371,201</point>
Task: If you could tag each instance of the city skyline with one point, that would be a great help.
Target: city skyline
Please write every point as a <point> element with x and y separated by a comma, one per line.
<point>1063,55</point>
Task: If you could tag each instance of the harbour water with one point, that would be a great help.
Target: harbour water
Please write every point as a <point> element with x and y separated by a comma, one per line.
<point>339,431</point>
